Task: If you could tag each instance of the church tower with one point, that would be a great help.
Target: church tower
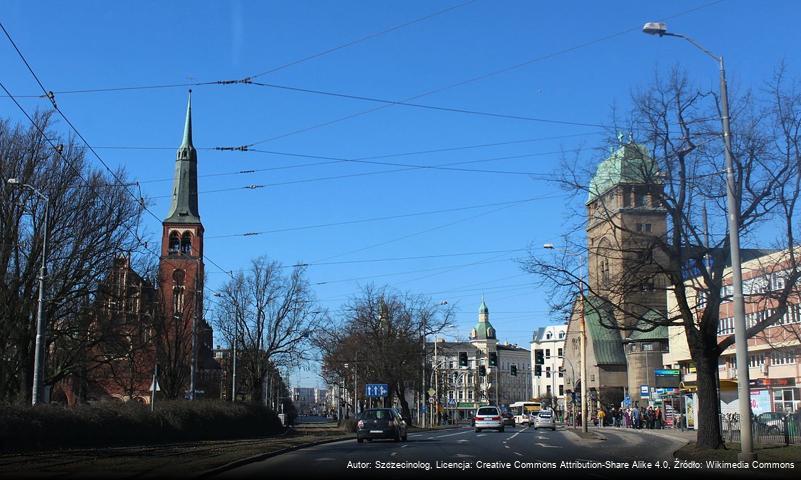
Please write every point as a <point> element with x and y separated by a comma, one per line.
<point>181,266</point>
<point>625,218</point>
<point>483,334</point>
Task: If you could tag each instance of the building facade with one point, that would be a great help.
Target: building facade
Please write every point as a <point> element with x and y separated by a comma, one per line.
<point>774,355</point>
<point>481,371</point>
<point>548,380</point>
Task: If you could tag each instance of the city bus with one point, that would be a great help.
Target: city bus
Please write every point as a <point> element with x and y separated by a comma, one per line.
<point>522,411</point>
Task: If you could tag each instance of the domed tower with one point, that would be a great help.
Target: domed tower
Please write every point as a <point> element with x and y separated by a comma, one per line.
<point>483,335</point>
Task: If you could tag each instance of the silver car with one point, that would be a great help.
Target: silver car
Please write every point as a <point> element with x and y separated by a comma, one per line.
<point>544,419</point>
<point>488,417</point>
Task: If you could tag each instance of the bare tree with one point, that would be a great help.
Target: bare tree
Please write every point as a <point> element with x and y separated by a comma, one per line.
<point>272,318</point>
<point>381,333</point>
<point>679,159</point>
<point>92,220</point>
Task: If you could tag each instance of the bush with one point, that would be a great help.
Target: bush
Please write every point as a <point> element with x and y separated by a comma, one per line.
<point>48,426</point>
<point>349,425</point>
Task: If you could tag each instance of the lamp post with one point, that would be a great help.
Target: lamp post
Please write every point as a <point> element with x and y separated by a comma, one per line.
<point>741,342</point>
<point>583,348</point>
<point>38,362</point>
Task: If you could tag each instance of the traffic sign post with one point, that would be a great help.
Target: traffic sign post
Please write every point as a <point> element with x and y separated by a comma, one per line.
<point>376,390</point>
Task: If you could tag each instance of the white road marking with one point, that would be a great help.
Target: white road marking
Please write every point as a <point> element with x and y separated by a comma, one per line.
<point>393,454</point>
<point>481,435</point>
<point>545,446</point>
<point>454,434</point>
<point>518,454</point>
<point>404,445</point>
<point>518,433</point>
<point>506,446</point>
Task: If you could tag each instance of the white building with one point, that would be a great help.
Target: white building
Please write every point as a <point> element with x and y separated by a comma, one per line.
<point>550,341</point>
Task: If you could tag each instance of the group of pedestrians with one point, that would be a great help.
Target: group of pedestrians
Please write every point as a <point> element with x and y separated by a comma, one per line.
<point>632,417</point>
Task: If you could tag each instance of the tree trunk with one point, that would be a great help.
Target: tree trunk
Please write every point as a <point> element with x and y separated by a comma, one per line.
<point>405,412</point>
<point>708,423</point>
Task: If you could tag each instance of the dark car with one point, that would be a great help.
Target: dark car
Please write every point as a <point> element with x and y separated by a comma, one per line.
<point>380,423</point>
<point>508,419</point>
<point>770,423</point>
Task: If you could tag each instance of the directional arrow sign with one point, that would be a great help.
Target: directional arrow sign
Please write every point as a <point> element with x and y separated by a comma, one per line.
<point>376,390</point>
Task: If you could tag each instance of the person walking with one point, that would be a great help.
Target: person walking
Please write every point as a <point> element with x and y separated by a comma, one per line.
<point>658,418</point>
<point>601,417</point>
<point>635,417</point>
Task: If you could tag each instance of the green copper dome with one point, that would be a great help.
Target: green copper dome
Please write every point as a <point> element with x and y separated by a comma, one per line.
<point>483,329</point>
<point>630,163</point>
<point>183,208</point>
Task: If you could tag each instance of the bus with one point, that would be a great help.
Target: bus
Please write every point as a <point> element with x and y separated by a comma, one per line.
<point>522,410</point>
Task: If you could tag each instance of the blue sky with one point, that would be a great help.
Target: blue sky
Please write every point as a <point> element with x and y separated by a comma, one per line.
<point>580,58</point>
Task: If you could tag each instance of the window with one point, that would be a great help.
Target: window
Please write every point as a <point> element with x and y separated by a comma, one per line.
<point>786,400</point>
<point>548,372</point>
<point>559,352</point>
<point>186,244</point>
<point>561,390</point>
<point>547,353</point>
<point>647,347</point>
<point>783,357</point>
<point>548,336</point>
<point>640,199</point>
<point>561,334</point>
<point>173,244</point>
<point>756,360</point>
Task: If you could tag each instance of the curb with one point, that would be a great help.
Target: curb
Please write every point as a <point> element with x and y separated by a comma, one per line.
<point>264,456</point>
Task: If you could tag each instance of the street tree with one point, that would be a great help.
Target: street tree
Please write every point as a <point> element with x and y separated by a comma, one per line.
<point>272,317</point>
<point>676,144</point>
<point>92,221</point>
<point>381,334</point>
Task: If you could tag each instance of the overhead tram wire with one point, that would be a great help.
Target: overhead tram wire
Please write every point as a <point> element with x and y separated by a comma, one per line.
<point>372,219</point>
<point>140,241</point>
<point>390,259</point>
<point>472,79</point>
<point>52,99</point>
<point>266,72</point>
<point>428,230</point>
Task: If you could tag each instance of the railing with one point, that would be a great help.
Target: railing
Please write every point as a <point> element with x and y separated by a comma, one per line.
<point>767,428</point>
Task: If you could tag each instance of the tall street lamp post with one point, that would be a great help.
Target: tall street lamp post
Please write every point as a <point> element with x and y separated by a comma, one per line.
<point>583,347</point>
<point>38,362</point>
<point>741,342</point>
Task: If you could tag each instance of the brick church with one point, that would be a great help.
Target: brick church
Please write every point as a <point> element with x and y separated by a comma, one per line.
<point>139,330</point>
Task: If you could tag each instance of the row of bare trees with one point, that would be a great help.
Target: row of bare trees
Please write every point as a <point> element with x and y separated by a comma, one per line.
<point>677,125</point>
<point>270,316</point>
<point>381,333</point>
<point>90,224</point>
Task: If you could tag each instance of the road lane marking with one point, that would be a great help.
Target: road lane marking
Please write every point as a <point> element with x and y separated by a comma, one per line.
<point>539,444</point>
<point>393,454</point>
<point>404,445</point>
<point>518,433</point>
<point>518,454</point>
<point>506,446</point>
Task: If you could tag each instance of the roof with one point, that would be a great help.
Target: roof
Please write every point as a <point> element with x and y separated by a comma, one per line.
<point>630,163</point>
<point>606,342</point>
<point>541,333</point>
<point>483,329</point>
<point>183,208</point>
<point>643,333</point>
<point>511,348</point>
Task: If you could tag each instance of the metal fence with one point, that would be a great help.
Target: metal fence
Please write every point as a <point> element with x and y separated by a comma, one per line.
<point>767,428</point>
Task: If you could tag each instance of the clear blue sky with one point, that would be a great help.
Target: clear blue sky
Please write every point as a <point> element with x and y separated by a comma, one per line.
<point>89,45</point>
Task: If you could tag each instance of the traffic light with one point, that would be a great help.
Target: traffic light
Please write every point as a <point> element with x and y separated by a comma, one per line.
<point>482,370</point>
<point>493,359</point>
<point>537,370</point>
<point>539,357</point>
<point>514,370</point>
<point>463,359</point>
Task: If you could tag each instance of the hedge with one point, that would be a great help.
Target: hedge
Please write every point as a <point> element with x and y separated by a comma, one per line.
<point>51,426</point>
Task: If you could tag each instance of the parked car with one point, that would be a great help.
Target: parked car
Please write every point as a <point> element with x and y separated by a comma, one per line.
<point>508,419</point>
<point>544,419</point>
<point>770,423</point>
<point>380,423</point>
<point>489,417</point>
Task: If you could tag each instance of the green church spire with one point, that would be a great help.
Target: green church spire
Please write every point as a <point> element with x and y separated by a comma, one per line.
<point>183,208</point>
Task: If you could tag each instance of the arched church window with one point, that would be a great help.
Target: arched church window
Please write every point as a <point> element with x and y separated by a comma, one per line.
<point>186,244</point>
<point>178,300</point>
<point>174,243</point>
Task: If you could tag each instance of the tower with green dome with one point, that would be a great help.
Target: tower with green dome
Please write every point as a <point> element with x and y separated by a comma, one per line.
<point>483,334</point>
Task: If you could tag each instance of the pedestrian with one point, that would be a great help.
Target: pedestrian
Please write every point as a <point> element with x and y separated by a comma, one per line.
<point>658,418</point>
<point>635,417</point>
<point>601,416</point>
<point>627,418</point>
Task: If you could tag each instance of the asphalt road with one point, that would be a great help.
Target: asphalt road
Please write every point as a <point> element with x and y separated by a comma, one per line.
<point>463,453</point>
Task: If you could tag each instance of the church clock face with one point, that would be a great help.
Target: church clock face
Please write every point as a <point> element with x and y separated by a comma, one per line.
<point>178,276</point>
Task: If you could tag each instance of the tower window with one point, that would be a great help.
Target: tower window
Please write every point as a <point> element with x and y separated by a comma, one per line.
<point>186,244</point>
<point>174,243</point>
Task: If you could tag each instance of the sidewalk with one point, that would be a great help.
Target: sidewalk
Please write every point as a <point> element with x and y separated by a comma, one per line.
<point>687,435</point>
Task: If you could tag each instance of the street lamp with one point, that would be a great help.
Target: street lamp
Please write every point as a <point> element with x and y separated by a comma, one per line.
<point>741,342</point>
<point>583,338</point>
<point>38,362</point>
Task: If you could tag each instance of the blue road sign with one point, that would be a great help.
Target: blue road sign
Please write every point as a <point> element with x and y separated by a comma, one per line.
<point>645,391</point>
<point>376,390</point>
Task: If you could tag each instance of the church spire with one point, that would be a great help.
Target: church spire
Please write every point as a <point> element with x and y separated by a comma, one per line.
<point>183,208</point>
